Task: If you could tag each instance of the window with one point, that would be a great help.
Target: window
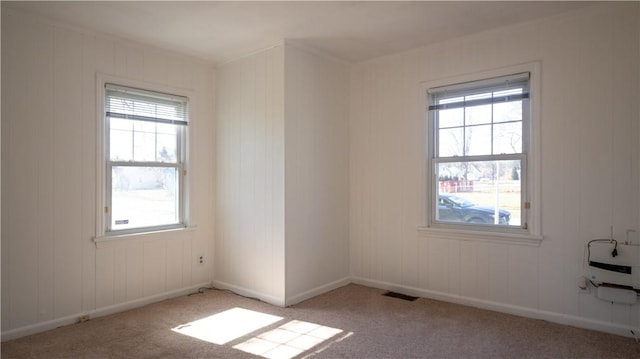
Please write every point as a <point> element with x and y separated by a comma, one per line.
<point>479,136</point>
<point>144,144</point>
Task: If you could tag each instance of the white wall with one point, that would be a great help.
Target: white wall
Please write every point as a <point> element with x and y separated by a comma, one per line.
<point>52,272</point>
<point>589,118</point>
<point>249,241</point>
<point>282,154</point>
<point>316,173</point>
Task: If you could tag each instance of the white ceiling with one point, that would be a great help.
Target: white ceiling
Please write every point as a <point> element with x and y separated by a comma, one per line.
<point>353,31</point>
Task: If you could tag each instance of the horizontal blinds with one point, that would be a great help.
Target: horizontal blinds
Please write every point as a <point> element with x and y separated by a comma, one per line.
<point>484,101</point>
<point>461,95</point>
<point>142,105</point>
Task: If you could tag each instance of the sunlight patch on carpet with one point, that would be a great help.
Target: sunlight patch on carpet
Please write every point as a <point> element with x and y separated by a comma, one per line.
<point>226,326</point>
<point>288,340</point>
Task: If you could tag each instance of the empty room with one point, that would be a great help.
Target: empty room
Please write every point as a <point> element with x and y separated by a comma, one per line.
<point>333,179</point>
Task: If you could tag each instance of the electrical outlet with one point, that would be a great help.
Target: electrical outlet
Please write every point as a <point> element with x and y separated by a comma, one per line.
<point>201,259</point>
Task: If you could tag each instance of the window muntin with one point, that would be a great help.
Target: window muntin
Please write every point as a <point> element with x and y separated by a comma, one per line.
<point>478,153</point>
<point>145,138</point>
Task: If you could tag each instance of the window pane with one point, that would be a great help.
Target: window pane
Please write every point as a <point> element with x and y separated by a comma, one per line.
<point>120,124</point>
<point>451,118</point>
<point>507,111</point>
<point>144,126</point>
<point>121,146</point>
<point>166,128</point>
<point>144,197</point>
<point>450,142</point>
<point>144,148</point>
<point>167,148</point>
<point>479,192</point>
<point>478,140</point>
<point>507,138</point>
<point>476,115</point>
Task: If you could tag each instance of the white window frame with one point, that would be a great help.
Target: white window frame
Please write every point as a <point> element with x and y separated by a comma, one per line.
<point>530,176</point>
<point>103,180</point>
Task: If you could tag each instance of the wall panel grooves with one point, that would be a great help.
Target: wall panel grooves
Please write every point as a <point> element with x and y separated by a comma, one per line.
<point>51,269</point>
<point>589,176</point>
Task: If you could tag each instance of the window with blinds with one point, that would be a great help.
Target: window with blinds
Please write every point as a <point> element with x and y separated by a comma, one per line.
<point>478,149</point>
<point>145,141</point>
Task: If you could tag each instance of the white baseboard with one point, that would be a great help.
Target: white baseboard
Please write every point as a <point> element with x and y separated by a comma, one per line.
<point>282,302</point>
<point>317,291</point>
<point>245,292</point>
<point>74,318</point>
<point>554,317</point>
<point>559,318</point>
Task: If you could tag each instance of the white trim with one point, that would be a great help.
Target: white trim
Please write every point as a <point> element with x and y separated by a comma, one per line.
<point>559,318</point>
<point>532,182</point>
<point>486,82</point>
<point>227,61</point>
<point>534,167</point>
<point>483,236</point>
<point>245,292</point>
<point>101,200</point>
<point>482,75</point>
<point>104,240</point>
<point>297,44</point>
<point>317,291</point>
<point>101,312</point>
<point>564,319</point>
<point>146,93</point>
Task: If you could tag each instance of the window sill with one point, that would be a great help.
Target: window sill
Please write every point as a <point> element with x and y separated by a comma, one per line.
<point>101,240</point>
<point>482,236</point>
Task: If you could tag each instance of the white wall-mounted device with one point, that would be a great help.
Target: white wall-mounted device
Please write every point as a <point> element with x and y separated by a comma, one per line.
<point>615,268</point>
<point>621,269</point>
<point>617,295</point>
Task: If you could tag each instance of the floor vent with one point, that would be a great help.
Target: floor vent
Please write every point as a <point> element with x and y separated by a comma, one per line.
<point>400,296</point>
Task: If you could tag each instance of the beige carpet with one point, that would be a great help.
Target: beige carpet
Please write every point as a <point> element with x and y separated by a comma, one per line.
<point>350,322</point>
